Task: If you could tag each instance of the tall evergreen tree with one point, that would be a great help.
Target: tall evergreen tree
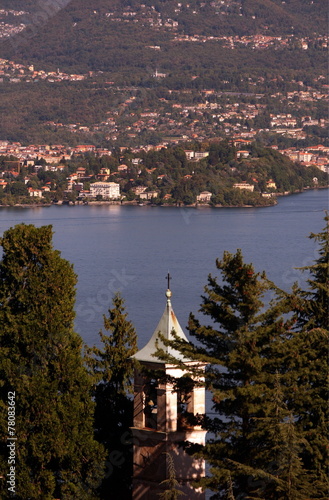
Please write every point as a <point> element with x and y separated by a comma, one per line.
<point>268,374</point>
<point>304,358</point>
<point>230,494</point>
<point>313,310</point>
<point>56,455</point>
<point>279,449</point>
<point>254,437</point>
<point>239,345</point>
<point>112,370</point>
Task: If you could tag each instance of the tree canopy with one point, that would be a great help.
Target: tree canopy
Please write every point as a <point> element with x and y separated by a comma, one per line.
<point>41,362</point>
<point>112,370</point>
<point>267,354</point>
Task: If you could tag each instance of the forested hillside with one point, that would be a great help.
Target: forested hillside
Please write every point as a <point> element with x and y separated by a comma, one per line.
<point>80,63</point>
<point>107,35</point>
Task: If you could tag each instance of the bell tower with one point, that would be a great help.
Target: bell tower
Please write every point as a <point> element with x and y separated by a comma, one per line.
<point>159,424</point>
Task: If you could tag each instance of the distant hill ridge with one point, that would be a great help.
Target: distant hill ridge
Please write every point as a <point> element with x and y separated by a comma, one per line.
<point>133,57</point>
<point>100,35</point>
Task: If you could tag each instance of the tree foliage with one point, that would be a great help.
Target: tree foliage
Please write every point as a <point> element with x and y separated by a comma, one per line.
<point>313,312</point>
<point>171,485</point>
<point>56,454</point>
<point>304,364</point>
<point>269,381</point>
<point>239,343</point>
<point>112,370</point>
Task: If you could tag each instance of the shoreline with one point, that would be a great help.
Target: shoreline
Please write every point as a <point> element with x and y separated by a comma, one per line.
<point>149,204</point>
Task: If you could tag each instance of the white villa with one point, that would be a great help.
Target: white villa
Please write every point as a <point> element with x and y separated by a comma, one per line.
<point>109,190</point>
<point>244,185</point>
<point>204,197</point>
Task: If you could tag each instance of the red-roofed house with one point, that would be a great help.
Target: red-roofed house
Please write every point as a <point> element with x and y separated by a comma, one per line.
<point>37,193</point>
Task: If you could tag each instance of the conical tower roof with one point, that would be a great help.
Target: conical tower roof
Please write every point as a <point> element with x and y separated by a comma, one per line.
<point>166,325</point>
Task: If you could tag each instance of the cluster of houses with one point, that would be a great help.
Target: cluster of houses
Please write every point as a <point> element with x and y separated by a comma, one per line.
<point>311,156</point>
<point>181,117</point>
<point>51,154</point>
<point>7,29</point>
<point>257,41</point>
<point>147,15</point>
<point>103,189</point>
<point>317,156</point>
<point>14,72</point>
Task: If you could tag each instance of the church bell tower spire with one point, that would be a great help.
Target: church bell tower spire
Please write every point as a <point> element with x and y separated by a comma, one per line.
<point>158,425</point>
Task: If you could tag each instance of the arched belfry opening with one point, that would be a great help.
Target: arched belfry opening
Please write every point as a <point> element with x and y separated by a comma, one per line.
<point>160,411</point>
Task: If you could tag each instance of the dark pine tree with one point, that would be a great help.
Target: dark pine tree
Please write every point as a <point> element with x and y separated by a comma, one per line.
<point>242,344</point>
<point>304,366</point>
<point>313,312</point>
<point>281,474</point>
<point>268,374</point>
<point>56,453</point>
<point>171,487</point>
<point>238,344</point>
<point>113,371</point>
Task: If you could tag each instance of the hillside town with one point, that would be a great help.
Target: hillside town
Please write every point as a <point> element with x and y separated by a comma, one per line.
<point>284,114</point>
<point>8,29</point>
<point>148,16</point>
<point>12,72</point>
<point>257,41</point>
<point>203,114</point>
<point>116,184</point>
<point>317,156</point>
<point>181,115</point>
<point>159,109</point>
<point>172,23</point>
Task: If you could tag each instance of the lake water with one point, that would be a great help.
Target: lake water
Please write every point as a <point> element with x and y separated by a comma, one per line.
<point>131,249</point>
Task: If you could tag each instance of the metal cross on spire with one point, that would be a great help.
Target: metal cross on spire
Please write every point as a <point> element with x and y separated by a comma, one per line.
<point>168,277</point>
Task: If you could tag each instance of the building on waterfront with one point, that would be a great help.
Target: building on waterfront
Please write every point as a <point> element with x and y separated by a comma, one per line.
<point>270,184</point>
<point>160,416</point>
<point>148,195</point>
<point>110,190</point>
<point>204,197</point>
<point>244,185</point>
<point>36,193</point>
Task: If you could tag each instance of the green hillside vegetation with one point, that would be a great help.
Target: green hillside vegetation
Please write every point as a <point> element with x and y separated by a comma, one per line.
<point>230,16</point>
<point>30,107</point>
